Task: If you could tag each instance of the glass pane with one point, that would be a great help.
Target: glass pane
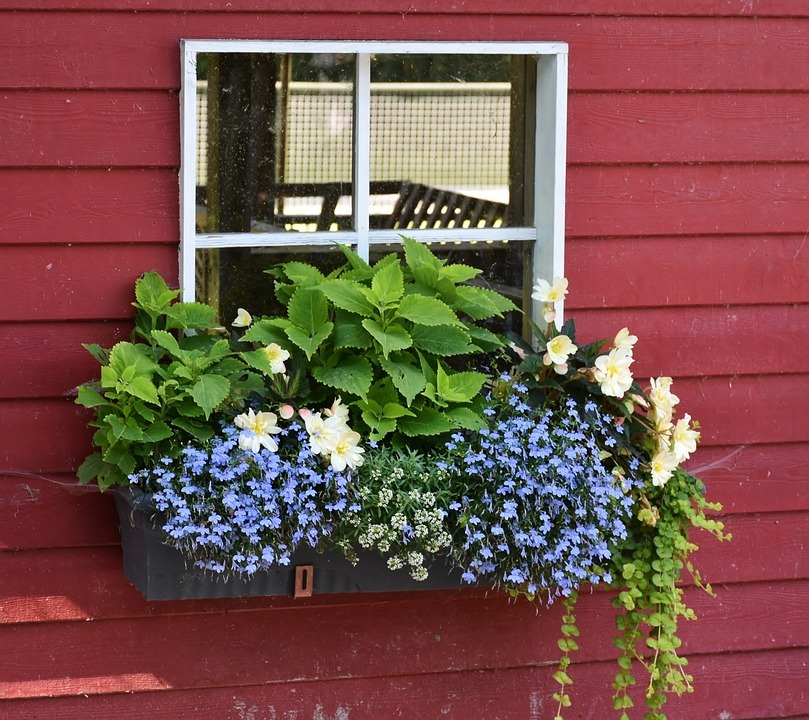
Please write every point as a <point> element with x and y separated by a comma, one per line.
<point>445,130</point>
<point>274,142</point>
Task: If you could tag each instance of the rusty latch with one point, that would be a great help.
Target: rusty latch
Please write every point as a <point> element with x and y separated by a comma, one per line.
<point>304,580</point>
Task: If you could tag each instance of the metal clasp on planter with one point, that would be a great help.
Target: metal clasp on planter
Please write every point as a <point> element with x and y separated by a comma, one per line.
<point>304,581</point>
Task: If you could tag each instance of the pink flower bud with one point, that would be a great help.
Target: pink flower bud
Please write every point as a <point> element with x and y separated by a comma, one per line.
<point>286,411</point>
<point>305,413</point>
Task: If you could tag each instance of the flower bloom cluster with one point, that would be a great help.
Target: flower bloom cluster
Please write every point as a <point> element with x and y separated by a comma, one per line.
<point>542,510</point>
<point>238,511</point>
<point>675,442</point>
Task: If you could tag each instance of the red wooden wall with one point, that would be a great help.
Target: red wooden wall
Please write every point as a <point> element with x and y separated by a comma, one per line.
<point>688,218</point>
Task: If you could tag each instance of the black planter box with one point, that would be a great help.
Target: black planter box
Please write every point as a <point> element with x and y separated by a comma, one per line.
<point>161,572</point>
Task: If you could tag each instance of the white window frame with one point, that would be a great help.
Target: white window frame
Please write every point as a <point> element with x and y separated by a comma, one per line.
<point>547,231</point>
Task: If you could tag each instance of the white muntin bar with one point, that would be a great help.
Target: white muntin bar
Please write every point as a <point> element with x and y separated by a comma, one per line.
<point>188,172</point>
<point>361,160</point>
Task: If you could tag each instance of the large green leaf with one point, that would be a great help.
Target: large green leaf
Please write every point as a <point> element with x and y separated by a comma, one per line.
<point>427,421</point>
<point>459,273</point>
<point>143,388</point>
<point>157,432</point>
<point>90,398</point>
<point>309,310</point>
<point>302,274</point>
<point>90,468</point>
<point>152,293</point>
<point>128,355</point>
<point>199,430</point>
<point>209,391</point>
<point>458,387</point>
<point>348,295</point>
<point>407,379</point>
<point>483,338</point>
<point>388,284</point>
<point>392,338</point>
<point>197,316</point>
<point>309,343</point>
<point>465,417</point>
<point>481,303</point>
<point>444,340</point>
<point>168,342</point>
<point>424,310</point>
<point>419,255</point>
<point>353,375</point>
<point>266,331</point>
<point>348,332</point>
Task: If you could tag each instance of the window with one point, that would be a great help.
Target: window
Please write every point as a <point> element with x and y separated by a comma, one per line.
<point>291,147</point>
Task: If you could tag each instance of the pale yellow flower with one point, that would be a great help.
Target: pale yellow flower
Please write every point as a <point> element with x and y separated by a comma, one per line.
<point>624,340</point>
<point>347,451</point>
<point>684,438</point>
<point>243,318</point>
<point>337,409</point>
<point>663,465</point>
<point>613,373</point>
<point>257,430</point>
<point>662,402</point>
<point>324,434</point>
<point>545,292</point>
<point>276,355</point>
<point>558,350</point>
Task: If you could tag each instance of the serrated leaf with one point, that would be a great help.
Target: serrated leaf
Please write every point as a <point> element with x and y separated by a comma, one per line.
<point>198,430</point>
<point>209,391</point>
<point>388,284</point>
<point>443,340</point>
<point>90,398</point>
<point>424,310</point>
<point>458,387</point>
<point>427,421</point>
<point>168,342</point>
<point>353,375</point>
<point>309,344</point>
<point>90,468</point>
<point>465,417</point>
<point>348,295</point>
<point>459,273</point>
<point>303,275</point>
<point>395,410</point>
<point>123,430</point>
<point>156,432</point>
<point>151,292</point>
<point>195,316</point>
<point>99,353</point>
<point>266,331</point>
<point>419,255</point>
<point>348,333</point>
<point>128,355</point>
<point>308,310</point>
<point>143,388</point>
<point>406,378</point>
<point>475,302</point>
<point>483,338</point>
<point>394,337</point>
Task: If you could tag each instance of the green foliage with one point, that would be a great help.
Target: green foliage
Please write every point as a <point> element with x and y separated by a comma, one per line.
<point>158,392</point>
<point>416,329</point>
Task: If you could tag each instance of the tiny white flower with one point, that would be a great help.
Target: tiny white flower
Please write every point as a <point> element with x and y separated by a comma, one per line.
<point>257,430</point>
<point>276,356</point>
<point>550,293</point>
<point>684,439</point>
<point>613,373</point>
<point>243,318</point>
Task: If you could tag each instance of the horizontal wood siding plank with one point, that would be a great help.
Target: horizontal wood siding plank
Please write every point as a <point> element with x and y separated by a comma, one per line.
<point>140,50</point>
<point>687,127</point>
<point>686,200</point>
<point>78,282</point>
<point>89,206</point>
<point>619,272</point>
<point>89,128</point>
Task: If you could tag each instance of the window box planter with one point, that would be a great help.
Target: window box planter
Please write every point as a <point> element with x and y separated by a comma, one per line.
<point>161,572</point>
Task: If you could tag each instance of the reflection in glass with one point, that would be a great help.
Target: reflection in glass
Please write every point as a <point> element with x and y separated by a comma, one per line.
<point>274,142</point>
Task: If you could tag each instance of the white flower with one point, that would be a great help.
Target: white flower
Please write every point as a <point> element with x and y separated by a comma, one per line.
<point>545,292</point>
<point>276,355</point>
<point>613,373</point>
<point>684,439</point>
<point>662,402</point>
<point>337,409</point>
<point>243,318</point>
<point>257,429</point>
<point>347,452</point>
<point>624,340</point>
<point>663,465</point>
<point>557,351</point>
<point>323,434</point>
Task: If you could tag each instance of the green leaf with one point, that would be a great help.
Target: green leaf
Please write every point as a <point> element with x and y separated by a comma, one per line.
<point>309,344</point>
<point>309,310</point>
<point>349,333</point>
<point>395,410</point>
<point>406,378</point>
<point>302,274</point>
<point>168,342</point>
<point>89,398</point>
<point>465,417</point>
<point>124,430</point>
<point>424,310</point>
<point>266,331</point>
<point>427,421</point>
<point>481,303</point>
<point>143,388</point>
<point>157,432</point>
<point>198,430</point>
<point>390,339</point>
<point>459,273</point>
<point>209,391</point>
<point>458,387</point>
<point>152,293</point>
<point>483,338</point>
<point>128,355</point>
<point>444,340</point>
<point>418,255</point>
<point>348,295</point>
<point>353,375</point>
<point>196,316</point>
<point>388,284</point>
<point>90,468</point>
<point>99,353</point>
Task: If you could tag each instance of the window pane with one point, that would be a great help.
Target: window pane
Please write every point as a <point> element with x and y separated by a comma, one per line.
<point>274,142</point>
<point>442,134</point>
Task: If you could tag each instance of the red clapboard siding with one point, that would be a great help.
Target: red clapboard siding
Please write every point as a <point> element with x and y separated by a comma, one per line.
<point>687,200</point>
<point>78,282</point>
<point>43,511</point>
<point>48,359</point>
<point>96,128</point>
<point>694,127</point>
<point>89,206</point>
<point>707,341</point>
<point>621,272</point>
<point>141,50</point>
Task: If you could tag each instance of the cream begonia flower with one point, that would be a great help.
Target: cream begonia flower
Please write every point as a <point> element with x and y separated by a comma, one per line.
<point>613,373</point>
<point>550,293</point>
<point>663,465</point>
<point>347,451</point>
<point>662,402</point>
<point>276,355</point>
<point>243,318</point>
<point>257,430</point>
<point>324,434</point>
<point>557,351</point>
<point>337,409</point>
<point>624,340</point>
<point>684,439</point>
